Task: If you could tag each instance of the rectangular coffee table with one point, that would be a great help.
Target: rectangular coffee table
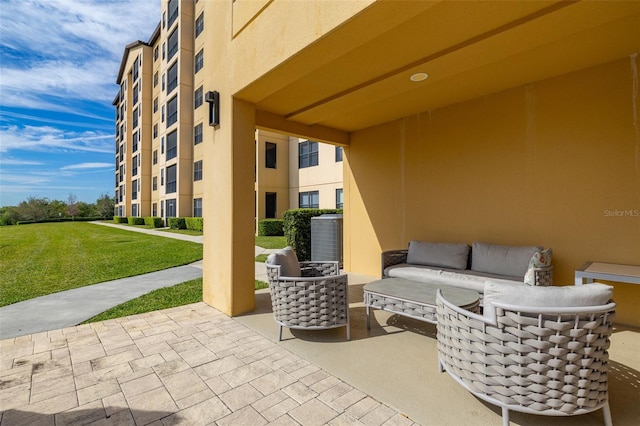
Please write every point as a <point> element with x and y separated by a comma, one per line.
<point>415,299</point>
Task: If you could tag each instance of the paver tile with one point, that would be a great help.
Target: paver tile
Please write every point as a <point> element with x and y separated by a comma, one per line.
<point>284,420</point>
<point>47,389</point>
<point>204,413</point>
<point>171,367</point>
<point>345,419</point>
<point>114,403</point>
<point>363,407</point>
<point>280,409</point>
<point>195,398</point>
<point>300,392</point>
<point>218,367</point>
<point>245,416</point>
<point>378,416</point>
<point>313,413</point>
<point>152,405</point>
<point>120,418</point>
<point>272,382</point>
<point>269,400</point>
<point>98,391</point>
<point>183,384</point>
<point>81,415</point>
<point>246,373</point>
<point>240,397</point>
<point>141,385</point>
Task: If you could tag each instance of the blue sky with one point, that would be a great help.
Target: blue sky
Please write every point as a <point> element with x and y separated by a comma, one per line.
<point>59,60</point>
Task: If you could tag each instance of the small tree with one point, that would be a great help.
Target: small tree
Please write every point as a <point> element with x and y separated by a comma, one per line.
<point>72,206</point>
<point>105,206</point>
<point>34,209</point>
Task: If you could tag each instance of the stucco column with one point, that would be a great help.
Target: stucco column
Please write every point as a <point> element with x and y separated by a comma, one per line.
<point>228,281</point>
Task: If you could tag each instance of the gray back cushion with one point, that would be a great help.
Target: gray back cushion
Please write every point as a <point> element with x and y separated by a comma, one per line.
<point>444,255</point>
<point>595,294</point>
<point>502,260</point>
<point>287,260</point>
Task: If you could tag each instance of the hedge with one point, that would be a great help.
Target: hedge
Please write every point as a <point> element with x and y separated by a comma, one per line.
<point>297,229</point>
<point>120,219</point>
<point>59,219</point>
<point>153,222</point>
<point>134,220</point>
<point>177,223</point>
<point>194,223</point>
<point>270,227</point>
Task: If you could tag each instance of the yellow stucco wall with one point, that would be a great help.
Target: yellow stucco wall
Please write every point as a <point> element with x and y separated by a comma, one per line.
<point>544,164</point>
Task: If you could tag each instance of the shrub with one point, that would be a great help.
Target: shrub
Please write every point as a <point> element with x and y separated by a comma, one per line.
<point>136,220</point>
<point>270,228</point>
<point>297,229</point>
<point>177,223</point>
<point>153,222</point>
<point>120,219</point>
<point>194,223</point>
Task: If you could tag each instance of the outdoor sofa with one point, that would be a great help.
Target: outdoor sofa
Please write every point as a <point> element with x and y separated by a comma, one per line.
<point>469,267</point>
<point>547,357</point>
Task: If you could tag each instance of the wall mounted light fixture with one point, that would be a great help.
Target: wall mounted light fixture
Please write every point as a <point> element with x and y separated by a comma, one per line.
<point>213,99</point>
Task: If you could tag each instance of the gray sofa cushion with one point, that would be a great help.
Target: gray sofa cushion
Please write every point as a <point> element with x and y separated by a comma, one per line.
<point>545,297</point>
<point>287,260</point>
<point>502,260</point>
<point>446,255</point>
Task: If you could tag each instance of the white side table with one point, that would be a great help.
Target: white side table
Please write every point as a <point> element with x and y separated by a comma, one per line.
<point>607,271</point>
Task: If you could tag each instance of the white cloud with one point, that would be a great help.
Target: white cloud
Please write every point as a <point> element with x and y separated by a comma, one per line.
<point>17,162</point>
<point>83,166</point>
<point>52,139</point>
<point>68,49</point>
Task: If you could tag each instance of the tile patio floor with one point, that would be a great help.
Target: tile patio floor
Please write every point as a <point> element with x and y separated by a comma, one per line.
<point>189,365</point>
<point>193,365</point>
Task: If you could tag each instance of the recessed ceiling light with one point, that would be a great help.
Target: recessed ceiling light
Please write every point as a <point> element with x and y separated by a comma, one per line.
<point>419,76</point>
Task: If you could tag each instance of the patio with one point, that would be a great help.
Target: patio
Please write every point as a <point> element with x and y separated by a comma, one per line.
<point>194,365</point>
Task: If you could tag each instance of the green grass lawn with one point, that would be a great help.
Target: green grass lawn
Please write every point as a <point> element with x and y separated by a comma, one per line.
<point>45,258</point>
<point>271,242</point>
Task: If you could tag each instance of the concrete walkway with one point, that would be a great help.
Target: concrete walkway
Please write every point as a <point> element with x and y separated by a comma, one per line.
<point>72,307</point>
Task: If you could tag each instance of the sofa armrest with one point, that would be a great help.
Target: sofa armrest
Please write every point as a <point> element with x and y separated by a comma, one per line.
<point>543,276</point>
<point>392,257</point>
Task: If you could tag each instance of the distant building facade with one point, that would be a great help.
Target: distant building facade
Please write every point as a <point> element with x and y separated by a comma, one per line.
<point>161,109</point>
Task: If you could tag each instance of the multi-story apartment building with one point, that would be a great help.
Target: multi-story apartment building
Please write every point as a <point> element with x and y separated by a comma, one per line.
<point>161,112</point>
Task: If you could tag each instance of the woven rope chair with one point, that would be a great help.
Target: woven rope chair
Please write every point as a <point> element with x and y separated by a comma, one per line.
<point>546,361</point>
<point>316,301</point>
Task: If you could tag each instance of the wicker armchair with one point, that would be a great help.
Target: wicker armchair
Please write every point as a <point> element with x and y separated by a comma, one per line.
<point>316,300</point>
<point>546,361</point>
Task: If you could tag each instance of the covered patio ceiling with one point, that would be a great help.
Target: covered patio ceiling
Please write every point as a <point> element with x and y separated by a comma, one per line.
<point>359,75</point>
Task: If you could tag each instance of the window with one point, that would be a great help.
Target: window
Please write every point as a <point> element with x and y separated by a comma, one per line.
<point>197,170</point>
<point>307,154</point>
<point>162,208</point>
<point>155,130</point>
<point>135,118</point>
<point>161,177</point>
<point>134,190</point>
<point>197,207</point>
<point>155,105</point>
<point>155,79</point>
<point>197,97</point>
<point>164,19</point>
<point>309,200</point>
<point>164,50</point>
<point>134,210</point>
<point>172,145</point>
<point>199,60</point>
<point>121,172</point>
<point>154,209</point>
<point>172,77</point>
<point>155,56</point>
<point>134,143</point>
<point>173,12</point>
<point>135,94</point>
<point>172,112</point>
<point>164,84</point>
<point>136,68</point>
<point>154,185</point>
<point>171,179</point>
<point>199,24</point>
<point>197,134</point>
<point>155,156</point>
<point>162,145</point>
<point>172,45</point>
<point>171,208</point>
<point>270,151</point>
<point>270,205</point>
<point>338,153</point>
<point>134,166</point>
<point>339,199</point>
<point>162,114</point>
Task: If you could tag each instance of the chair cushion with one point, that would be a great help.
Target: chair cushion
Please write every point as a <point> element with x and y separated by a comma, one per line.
<point>502,260</point>
<point>287,260</point>
<point>445,255</point>
<point>540,259</point>
<point>595,294</point>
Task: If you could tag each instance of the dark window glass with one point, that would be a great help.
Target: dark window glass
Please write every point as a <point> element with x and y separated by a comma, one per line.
<point>171,208</point>
<point>199,24</point>
<point>199,61</point>
<point>197,207</point>
<point>172,177</point>
<point>270,155</point>
<point>197,170</point>
<point>172,44</point>
<point>197,134</point>
<point>172,145</point>
<point>172,111</point>
<point>338,153</point>
<point>309,200</point>
<point>173,11</point>
<point>339,199</point>
<point>307,154</point>
<point>197,97</point>
<point>172,77</point>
